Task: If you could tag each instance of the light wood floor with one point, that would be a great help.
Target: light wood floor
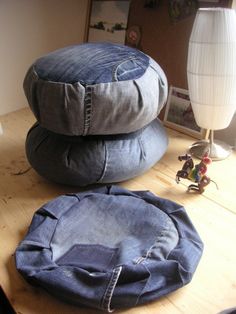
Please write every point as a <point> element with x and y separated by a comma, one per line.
<point>213,287</point>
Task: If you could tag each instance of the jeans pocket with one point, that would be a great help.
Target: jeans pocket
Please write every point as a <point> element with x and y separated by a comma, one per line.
<point>129,69</point>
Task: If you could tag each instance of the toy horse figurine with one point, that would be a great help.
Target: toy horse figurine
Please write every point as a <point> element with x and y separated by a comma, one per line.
<point>195,173</point>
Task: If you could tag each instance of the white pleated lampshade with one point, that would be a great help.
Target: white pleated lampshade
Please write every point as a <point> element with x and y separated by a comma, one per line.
<point>211,67</point>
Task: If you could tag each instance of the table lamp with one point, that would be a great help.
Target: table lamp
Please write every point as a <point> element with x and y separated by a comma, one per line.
<point>211,72</point>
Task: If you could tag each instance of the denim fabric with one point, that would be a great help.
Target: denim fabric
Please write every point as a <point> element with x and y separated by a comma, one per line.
<point>78,160</point>
<point>92,63</point>
<point>96,88</point>
<point>110,248</point>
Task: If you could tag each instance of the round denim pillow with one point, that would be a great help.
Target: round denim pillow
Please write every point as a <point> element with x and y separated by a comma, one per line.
<point>95,88</point>
<point>83,160</point>
<point>110,248</point>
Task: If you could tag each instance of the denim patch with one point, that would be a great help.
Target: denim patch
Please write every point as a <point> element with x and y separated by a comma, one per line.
<point>92,257</point>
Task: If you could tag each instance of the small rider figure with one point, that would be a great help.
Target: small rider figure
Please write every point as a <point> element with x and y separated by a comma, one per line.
<point>200,169</point>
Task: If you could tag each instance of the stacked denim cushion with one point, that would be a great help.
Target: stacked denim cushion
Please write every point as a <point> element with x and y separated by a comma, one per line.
<point>110,248</point>
<point>96,106</point>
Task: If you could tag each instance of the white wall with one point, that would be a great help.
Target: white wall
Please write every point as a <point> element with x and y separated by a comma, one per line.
<point>29,29</point>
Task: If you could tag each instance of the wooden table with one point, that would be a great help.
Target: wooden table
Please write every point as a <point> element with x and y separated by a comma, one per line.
<point>213,213</point>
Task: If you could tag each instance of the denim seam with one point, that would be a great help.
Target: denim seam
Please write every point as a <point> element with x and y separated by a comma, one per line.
<point>141,293</point>
<point>50,215</point>
<point>68,153</point>
<point>35,73</point>
<point>75,195</point>
<point>41,142</point>
<point>31,97</point>
<point>152,67</point>
<point>53,231</point>
<point>140,97</point>
<point>148,253</point>
<point>140,141</point>
<point>160,80</point>
<point>35,243</point>
<point>142,258</point>
<point>114,71</point>
<point>106,302</point>
<point>87,110</point>
<point>105,164</point>
<point>50,81</point>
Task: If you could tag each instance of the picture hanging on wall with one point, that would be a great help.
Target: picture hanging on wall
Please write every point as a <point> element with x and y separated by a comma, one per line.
<point>108,21</point>
<point>179,114</point>
<point>180,9</point>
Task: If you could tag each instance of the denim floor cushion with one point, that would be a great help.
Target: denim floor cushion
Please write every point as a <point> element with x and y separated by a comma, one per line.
<point>95,88</point>
<point>109,248</point>
<point>83,160</point>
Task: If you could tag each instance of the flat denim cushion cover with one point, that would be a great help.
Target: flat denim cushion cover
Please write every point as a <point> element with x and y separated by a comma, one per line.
<point>83,160</point>
<point>110,248</point>
<point>95,88</point>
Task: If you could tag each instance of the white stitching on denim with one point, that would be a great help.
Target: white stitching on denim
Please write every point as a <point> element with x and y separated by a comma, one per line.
<point>106,303</point>
<point>148,253</point>
<point>87,109</point>
<point>114,71</point>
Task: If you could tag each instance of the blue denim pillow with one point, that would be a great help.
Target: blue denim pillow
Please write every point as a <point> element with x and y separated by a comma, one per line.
<point>92,63</point>
<point>110,248</point>
<point>83,160</point>
<point>95,88</point>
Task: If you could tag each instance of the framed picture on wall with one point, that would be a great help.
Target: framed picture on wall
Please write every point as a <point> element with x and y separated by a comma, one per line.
<point>107,21</point>
<point>180,9</point>
<point>179,114</point>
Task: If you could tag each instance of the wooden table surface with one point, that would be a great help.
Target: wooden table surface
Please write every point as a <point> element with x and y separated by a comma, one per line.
<point>213,213</point>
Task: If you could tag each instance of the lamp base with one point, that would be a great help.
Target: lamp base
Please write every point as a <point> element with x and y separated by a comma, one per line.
<point>217,150</point>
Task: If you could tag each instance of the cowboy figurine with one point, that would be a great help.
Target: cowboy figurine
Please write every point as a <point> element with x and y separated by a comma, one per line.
<point>195,173</point>
<point>200,169</point>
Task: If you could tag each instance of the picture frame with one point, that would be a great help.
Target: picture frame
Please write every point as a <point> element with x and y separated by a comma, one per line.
<point>180,9</point>
<point>107,21</point>
<point>179,114</point>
